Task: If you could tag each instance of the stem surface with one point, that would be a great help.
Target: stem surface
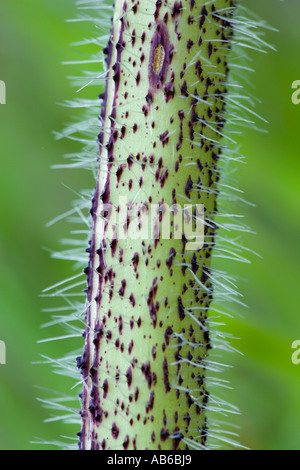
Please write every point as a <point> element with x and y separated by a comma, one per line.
<point>149,289</point>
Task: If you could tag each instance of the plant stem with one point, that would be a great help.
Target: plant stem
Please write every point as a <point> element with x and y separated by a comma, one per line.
<point>147,335</point>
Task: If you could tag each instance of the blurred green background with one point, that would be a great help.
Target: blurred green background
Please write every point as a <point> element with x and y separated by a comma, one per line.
<point>34,40</point>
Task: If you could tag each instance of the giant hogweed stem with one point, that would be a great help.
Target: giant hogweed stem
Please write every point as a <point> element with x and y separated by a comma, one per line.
<point>156,299</point>
<point>147,336</point>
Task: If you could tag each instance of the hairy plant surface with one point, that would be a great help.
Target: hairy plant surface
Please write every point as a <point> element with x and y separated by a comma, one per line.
<point>147,339</point>
<point>146,367</point>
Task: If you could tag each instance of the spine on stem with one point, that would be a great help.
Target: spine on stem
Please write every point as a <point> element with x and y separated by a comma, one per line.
<point>150,284</point>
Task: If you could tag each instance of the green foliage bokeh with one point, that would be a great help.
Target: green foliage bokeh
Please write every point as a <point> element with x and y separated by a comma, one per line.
<point>34,40</point>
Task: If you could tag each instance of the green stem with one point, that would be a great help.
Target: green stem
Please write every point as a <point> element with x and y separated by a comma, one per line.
<point>147,336</point>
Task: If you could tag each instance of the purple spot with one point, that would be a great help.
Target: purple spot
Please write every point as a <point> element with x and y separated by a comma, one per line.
<point>189,186</point>
<point>115,431</point>
<point>160,37</point>
<point>105,388</point>
<point>180,308</point>
<point>166,375</point>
